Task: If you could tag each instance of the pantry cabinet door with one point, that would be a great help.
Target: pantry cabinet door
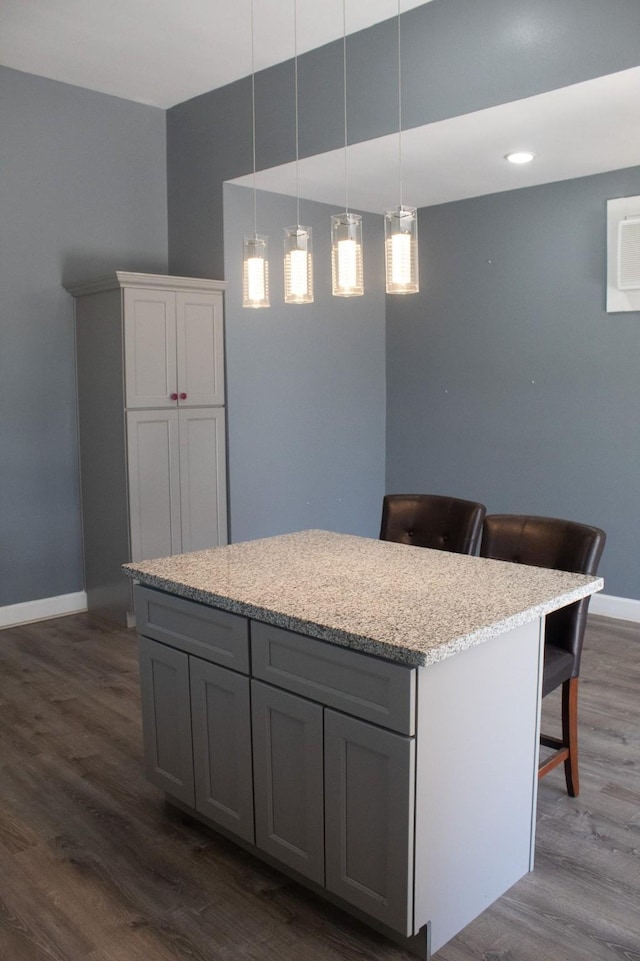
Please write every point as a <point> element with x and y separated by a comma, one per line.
<point>203,478</point>
<point>200,349</point>
<point>150,348</point>
<point>154,483</point>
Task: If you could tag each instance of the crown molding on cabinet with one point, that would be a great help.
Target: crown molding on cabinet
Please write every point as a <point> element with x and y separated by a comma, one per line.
<point>124,278</point>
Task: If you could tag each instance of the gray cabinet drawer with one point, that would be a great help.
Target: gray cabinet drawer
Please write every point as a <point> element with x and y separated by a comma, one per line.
<point>194,628</point>
<point>358,684</point>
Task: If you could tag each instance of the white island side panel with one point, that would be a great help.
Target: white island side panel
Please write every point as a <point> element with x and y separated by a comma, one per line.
<point>476,779</point>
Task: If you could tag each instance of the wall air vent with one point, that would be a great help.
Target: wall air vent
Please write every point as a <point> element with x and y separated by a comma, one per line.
<point>629,254</point>
<point>623,254</point>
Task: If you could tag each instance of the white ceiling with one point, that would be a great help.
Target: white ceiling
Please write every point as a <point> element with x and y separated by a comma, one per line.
<point>162,52</point>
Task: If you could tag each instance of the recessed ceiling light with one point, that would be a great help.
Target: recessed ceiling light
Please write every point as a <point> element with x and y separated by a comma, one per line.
<point>520,157</point>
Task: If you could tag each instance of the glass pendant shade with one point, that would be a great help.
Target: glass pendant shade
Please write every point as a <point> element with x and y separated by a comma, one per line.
<point>255,272</point>
<point>346,255</point>
<point>401,250</point>
<point>298,265</point>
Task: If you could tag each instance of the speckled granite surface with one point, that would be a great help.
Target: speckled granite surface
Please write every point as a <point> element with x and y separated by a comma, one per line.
<point>407,604</point>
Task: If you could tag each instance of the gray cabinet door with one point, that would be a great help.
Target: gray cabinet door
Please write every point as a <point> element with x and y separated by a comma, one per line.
<point>288,779</point>
<point>369,818</point>
<point>220,711</point>
<point>166,718</point>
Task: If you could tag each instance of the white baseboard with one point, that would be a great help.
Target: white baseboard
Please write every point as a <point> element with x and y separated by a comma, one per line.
<point>41,610</point>
<point>622,608</point>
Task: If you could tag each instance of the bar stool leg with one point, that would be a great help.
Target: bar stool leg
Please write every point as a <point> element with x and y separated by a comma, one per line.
<point>570,734</point>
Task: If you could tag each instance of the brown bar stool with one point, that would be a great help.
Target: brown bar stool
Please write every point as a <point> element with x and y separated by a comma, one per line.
<point>563,546</point>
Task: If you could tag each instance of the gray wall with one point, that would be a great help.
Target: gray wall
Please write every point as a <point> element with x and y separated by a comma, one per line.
<point>507,381</point>
<point>82,192</point>
<point>306,401</point>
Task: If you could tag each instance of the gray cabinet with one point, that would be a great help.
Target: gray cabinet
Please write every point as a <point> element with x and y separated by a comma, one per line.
<point>379,784</point>
<point>288,779</point>
<point>197,734</point>
<point>150,374</point>
<point>195,709</point>
<point>280,750</point>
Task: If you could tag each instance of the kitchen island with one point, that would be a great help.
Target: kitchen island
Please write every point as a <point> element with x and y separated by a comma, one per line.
<point>362,714</point>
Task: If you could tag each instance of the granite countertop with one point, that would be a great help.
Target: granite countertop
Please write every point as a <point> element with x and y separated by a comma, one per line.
<point>407,604</point>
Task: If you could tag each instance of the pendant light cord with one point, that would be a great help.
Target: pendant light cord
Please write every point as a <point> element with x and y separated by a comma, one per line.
<point>253,126</point>
<point>295,69</point>
<point>399,107</point>
<point>344,93</point>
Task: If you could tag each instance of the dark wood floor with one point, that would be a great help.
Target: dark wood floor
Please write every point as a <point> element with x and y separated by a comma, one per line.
<point>93,867</point>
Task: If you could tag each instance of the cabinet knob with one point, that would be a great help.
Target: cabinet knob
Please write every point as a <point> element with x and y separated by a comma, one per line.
<point>173,396</point>
<point>183,396</point>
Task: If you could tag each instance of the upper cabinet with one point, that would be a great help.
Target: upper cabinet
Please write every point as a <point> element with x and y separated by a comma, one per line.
<point>174,348</point>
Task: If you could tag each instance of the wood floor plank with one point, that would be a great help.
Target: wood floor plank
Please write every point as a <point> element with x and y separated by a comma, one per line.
<point>37,920</point>
<point>95,867</point>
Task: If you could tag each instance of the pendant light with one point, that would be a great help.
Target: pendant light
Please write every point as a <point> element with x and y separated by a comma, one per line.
<point>346,228</point>
<point>255,255</point>
<point>298,251</point>
<point>401,224</point>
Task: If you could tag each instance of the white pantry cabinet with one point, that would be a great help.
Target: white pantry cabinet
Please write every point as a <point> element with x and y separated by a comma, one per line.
<point>151,395</point>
